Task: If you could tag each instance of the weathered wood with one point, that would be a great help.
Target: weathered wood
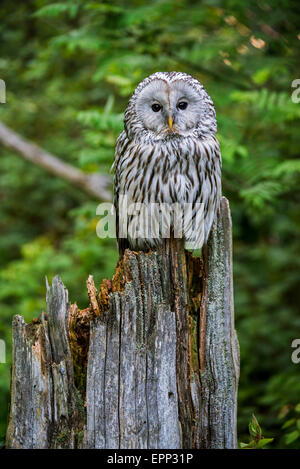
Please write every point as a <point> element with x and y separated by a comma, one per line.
<point>219,379</point>
<point>45,404</point>
<point>31,387</point>
<point>152,363</point>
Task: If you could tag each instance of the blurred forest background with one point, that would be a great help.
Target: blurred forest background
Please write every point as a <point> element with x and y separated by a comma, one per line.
<point>69,69</point>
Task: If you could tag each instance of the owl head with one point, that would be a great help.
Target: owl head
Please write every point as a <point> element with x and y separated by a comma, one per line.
<point>170,105</point>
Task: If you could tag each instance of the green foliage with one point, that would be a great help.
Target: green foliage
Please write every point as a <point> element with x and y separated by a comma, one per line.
<point>256,441</point>
<point>69,69</point>
<point>291,425</point>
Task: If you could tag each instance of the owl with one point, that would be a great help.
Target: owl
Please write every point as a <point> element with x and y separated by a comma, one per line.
<point>167,164</point>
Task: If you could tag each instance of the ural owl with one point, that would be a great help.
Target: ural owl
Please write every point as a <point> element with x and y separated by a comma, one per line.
<point>167,164</point>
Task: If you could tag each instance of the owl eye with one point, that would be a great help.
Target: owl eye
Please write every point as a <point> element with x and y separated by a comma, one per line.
<point>182,105</point>
<point>156,107</point>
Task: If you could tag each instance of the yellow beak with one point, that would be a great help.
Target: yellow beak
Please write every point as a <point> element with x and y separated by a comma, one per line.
<point>170,121</point>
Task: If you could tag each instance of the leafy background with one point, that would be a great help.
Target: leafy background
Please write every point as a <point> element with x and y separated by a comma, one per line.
<point>69,69</point>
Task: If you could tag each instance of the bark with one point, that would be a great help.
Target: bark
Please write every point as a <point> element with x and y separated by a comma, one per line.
<point>96,185</point>
<point>152,363</point>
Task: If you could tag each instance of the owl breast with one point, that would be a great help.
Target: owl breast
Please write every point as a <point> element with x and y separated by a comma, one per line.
<point>184,171</point>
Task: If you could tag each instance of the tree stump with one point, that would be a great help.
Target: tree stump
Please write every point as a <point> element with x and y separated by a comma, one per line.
<point>153,362</point>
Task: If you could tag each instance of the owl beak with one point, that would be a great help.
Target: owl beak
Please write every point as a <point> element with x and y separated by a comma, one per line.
<point>170,121</point>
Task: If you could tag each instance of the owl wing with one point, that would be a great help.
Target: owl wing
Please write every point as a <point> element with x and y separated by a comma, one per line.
<point>209,168</point>
<point>206,194</point>
<point>117,168</point>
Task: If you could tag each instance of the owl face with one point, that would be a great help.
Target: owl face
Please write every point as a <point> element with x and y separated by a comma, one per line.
<point>170,105</point>
<point>169,109</point>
